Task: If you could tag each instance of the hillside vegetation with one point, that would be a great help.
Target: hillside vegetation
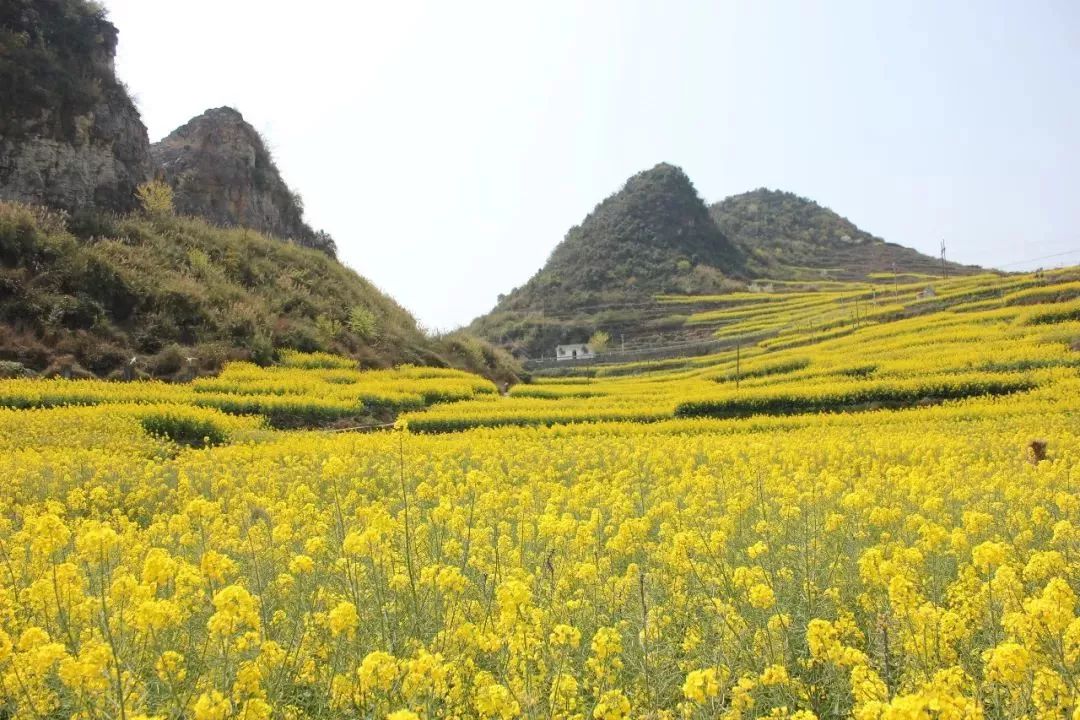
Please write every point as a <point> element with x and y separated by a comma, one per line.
<point>93,292</point>
<point>785,236</point>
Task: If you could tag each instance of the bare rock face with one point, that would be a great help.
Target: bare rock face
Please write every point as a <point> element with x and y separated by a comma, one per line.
<point>219,169</point>
<point>70,136</point>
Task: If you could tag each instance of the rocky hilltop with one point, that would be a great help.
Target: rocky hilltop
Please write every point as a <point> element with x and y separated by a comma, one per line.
<point>70,136</point>
<point>219,169</point>
<point>648,237</point>
<point>654,235</point>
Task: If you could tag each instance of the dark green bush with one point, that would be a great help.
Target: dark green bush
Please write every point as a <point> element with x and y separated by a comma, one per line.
<point>847,398</point>
<point>187,431</point>
<point>18,239</point>
<point>766,369</point>
<point>93,224</point>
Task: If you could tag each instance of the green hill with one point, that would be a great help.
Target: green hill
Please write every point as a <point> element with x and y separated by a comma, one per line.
<point>653,236</point>
<point>635,243</point>
<point>88,295</point>
<point>784,236</point>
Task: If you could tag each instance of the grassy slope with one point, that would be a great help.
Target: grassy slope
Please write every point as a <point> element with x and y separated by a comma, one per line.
<point>100,291</point>
<point>791,237</point>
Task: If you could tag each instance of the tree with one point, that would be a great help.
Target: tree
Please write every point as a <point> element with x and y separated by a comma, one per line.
<point>156,198</point>
<point>599,341</point>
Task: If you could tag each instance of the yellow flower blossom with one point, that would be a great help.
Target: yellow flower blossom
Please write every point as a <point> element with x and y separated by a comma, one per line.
<point>343,618</point>
<point>701,685</point>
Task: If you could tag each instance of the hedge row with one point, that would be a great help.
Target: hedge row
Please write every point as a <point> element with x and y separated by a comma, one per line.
<point>846,398</point>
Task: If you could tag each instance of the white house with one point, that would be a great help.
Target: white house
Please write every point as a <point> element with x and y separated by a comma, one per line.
<point>577,351</point>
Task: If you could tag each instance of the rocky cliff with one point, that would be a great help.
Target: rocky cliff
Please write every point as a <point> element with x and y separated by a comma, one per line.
<point>70,136</point>
<point>219,169</point>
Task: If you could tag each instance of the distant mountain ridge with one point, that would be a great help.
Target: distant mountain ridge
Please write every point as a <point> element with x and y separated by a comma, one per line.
<point>656,236</point>
<point>785,236</point>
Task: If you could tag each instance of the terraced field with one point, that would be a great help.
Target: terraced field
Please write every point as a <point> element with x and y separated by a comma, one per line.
<point>868,513</point>
<point>976,336</point>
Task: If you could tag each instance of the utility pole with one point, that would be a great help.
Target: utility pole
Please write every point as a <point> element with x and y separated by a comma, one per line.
<point>895,288</point>
<point>738,352</point>
<point>944,269</point>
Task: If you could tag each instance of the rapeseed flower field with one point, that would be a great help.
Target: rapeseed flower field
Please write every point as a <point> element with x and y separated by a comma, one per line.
<point>878,520</point>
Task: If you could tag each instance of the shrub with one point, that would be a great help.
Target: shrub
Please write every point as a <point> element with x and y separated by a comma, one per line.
<point>186,302</point>
<point>187,431</point>
<point>12,369</point>
<point>329,327</point>
<point>315,360</point>
<point>362,323</point>
<point>169,361</point>
<point>92,224</point>
<point>155,198</point>
<point>261,346</point>
<point>200,262</point>
<point>108,283</point>
<point>18,239</point>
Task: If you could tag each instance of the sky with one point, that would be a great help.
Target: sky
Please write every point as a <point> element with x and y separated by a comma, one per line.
<point>449,146</point>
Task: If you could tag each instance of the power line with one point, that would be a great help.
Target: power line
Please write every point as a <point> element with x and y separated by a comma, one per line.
<point>1042,257</point>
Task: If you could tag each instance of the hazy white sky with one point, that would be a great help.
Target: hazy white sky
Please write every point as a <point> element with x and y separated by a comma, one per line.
<point>448,146</point>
